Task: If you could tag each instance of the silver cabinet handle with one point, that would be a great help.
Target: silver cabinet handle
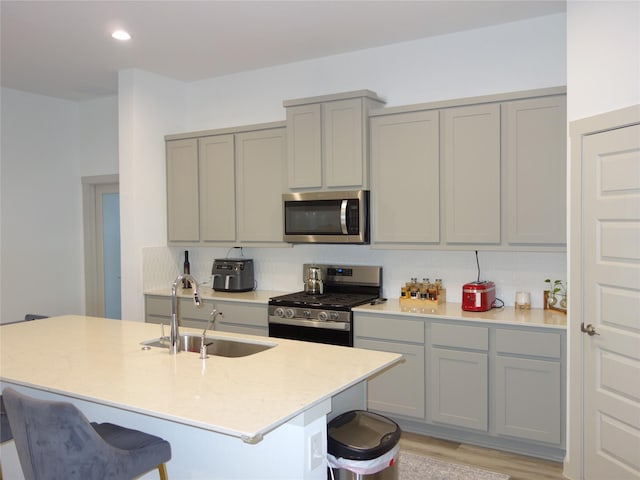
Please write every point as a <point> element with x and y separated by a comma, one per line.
<point>589,329</point>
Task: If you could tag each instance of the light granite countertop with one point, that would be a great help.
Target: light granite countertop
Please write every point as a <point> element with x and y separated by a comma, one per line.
<point>535,317</point>
<point>253,296</point>
<point>101,360</point>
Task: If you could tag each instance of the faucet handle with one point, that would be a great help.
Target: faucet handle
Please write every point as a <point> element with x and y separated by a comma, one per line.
<point>162,335</point>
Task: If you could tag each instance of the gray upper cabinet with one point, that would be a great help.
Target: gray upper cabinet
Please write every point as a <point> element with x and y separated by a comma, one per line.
<point>217,188</point>
<point>304,127</point>
<point>327,140</point>
<point>201,190</point>
<point>183,222</point>
<point>471,157</point>
<point>224,187</point>
<point>405,178</point>
<point>534,149</point>
<point>481,173</point>
<point>261,181</point>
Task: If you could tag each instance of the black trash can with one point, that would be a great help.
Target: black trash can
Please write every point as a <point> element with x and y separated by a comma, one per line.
<point>363,445</point>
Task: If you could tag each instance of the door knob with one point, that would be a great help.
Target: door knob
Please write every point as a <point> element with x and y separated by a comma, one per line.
<point>589,329</point>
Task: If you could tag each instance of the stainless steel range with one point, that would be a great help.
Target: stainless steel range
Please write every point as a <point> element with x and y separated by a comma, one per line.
<point>322,311</point>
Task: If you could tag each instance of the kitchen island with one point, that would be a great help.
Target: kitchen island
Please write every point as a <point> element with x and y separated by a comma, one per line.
<point>257,417</point>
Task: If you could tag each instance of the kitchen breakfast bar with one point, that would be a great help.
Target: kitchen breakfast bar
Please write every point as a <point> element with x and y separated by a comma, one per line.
<point>262,416</point>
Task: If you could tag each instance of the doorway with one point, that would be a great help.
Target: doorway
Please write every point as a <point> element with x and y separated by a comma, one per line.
<point>101,202</point>
<point>605,296</point>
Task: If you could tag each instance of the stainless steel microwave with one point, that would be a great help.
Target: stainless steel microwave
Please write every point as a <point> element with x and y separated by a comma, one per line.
<point>326,217</point>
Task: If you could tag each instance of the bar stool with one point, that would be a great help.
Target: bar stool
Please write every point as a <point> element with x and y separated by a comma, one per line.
<point>55,440</point>
<point>5,428</point>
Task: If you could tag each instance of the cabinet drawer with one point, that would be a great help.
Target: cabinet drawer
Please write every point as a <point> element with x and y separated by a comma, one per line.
<point>389,328</point>
<point>158,306</point>
<point>255,315</point>
<point>188,309</point>
<point>527,342</point>
<point>460,336</point>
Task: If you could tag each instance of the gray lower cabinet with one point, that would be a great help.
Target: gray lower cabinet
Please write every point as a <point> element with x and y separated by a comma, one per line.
<point>498,386</point>
<point>158,310</point>
<point>528,400</point>
<point>238,317</point>
<point>400,390</point>
<point>458,376</point>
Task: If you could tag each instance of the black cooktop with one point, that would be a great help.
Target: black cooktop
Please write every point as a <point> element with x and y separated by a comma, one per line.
<point>334,300</point>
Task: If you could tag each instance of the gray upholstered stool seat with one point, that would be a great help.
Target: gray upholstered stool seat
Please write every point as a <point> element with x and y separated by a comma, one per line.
<point>5,428</point>
<point>55,440</point>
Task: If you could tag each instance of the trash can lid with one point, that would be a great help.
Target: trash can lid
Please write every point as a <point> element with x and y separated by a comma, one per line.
<point>361,435</point>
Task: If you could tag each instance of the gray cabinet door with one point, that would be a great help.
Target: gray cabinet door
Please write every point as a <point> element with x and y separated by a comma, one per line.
<point>399,390</point>
<point>343,148</point>
<point>217,188</point>
<point>458,388</point>
<point>405,178</point>
<point>534,157</point>
<point>527,399</point>
<point>260,165</point>
<point>471,157</point>
<point>304,140</point>
<point>183,214</point>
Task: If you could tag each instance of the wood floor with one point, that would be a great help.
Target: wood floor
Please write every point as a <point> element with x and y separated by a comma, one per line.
<point>518,467</point>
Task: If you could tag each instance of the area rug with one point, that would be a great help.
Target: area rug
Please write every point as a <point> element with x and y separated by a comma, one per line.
<point>418,467</point>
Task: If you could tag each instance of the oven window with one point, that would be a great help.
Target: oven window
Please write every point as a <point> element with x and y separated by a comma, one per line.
<point>305,218</point>
<point>311,334</point>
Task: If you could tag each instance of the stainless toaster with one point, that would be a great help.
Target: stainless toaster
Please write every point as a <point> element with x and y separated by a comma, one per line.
<point>232,275</point>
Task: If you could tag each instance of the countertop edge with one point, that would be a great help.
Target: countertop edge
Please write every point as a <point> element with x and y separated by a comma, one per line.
<point>534,318</point>
<point>207,293</point>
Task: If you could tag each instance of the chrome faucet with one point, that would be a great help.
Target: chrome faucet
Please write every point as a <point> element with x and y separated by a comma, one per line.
<point>203,348</point>
<point>174,339</point>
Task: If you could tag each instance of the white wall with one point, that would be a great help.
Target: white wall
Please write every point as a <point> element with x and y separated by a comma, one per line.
<point>515,56</point>
<point>518,56</point>
<point>149,107</point>
<point>47,146</point>
<point>603,50</point>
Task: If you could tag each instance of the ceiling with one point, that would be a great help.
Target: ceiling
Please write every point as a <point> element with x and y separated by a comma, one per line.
<point>64,48</point>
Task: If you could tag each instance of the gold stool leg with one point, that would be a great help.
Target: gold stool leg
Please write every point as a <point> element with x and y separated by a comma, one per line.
<point>162,470</point>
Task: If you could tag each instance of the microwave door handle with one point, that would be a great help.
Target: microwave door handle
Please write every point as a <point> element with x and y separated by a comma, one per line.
<point>343,217</point>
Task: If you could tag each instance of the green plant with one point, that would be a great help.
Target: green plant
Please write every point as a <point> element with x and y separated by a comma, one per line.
<point>556,288</point>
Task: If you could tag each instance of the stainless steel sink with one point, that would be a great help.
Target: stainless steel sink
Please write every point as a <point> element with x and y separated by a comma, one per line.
<point>218,346</point>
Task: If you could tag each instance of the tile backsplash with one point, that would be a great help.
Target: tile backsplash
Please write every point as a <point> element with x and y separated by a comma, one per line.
<point>280,269</point>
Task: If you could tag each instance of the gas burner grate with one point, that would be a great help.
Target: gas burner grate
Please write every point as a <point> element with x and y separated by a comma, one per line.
<point>327,300</point>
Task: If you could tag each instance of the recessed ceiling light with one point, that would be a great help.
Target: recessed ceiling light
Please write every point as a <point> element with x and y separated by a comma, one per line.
<point>121,35</point>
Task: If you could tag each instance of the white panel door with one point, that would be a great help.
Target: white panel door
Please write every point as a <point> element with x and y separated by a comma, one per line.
<point>611,304</point>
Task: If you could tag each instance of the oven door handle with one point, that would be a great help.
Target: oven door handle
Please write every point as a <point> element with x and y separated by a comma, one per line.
<point>299,322</point>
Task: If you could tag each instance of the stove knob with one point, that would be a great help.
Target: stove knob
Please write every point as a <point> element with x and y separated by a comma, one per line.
<point>334,316</point>
<point>306,313</point>
<point>323,316</point>
<point>279,312</point>
<point>289,313</point>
